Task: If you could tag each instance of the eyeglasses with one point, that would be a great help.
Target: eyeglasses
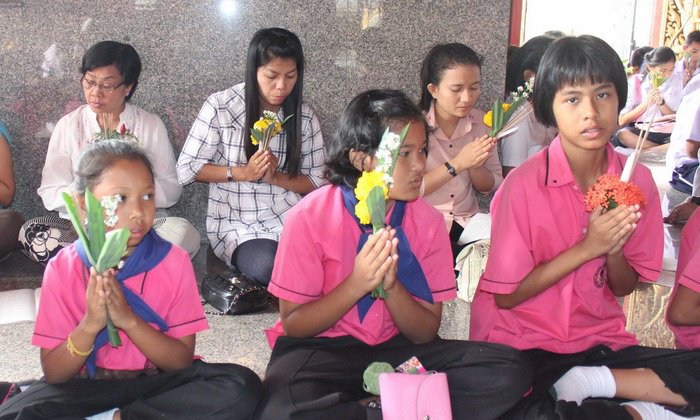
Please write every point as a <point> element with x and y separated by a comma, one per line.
<point>104,87</point>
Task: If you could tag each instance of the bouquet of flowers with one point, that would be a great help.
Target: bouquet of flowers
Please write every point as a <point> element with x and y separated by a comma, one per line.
<point>656,79</point>
<point>267,127</point>
<point>503,117</point>
<point>372,188</point>
<point>104,250</point>
<point>609,192</point>
<point>121,133</point>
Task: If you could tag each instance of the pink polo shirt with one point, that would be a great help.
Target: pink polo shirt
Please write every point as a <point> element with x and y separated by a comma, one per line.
<point>317,252</point>
<point>688,274</point>
<point>170,289</point>
<point>538,213</point>
<point>456,200</point>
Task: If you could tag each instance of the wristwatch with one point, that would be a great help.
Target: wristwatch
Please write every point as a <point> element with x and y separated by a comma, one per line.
<point>229,174</point>
<point>695,200</point>
<point>450,169</point>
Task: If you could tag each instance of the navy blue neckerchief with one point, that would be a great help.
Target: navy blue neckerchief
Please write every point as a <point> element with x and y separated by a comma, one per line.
<point>409,271</point>
<point>148,254</point>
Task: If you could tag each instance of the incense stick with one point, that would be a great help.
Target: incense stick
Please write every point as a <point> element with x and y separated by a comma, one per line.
<point>628,170</point>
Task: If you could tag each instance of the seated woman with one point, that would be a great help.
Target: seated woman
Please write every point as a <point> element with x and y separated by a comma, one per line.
<point>683,314</point>
<point>330,328</point>
<point>530,136</point>
<point>682,159</point>
<point>645,101</point>
<point>556,267</point>
<point>461,159</point>
<point>110,74</point>
<point>10,220</point>
<point>634,65</point>
<point>251,188</point>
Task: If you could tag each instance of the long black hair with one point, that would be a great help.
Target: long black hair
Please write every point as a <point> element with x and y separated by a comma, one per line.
<point>266,45</point>
<point>361,128</point>
<point>440,58</point>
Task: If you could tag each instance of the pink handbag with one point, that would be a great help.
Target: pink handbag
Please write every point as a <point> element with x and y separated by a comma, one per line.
<point>415,396</point>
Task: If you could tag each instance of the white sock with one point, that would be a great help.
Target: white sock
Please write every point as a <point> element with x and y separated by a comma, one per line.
<point>652,411</point>
<point>105,415</point>
<point>583,382</point>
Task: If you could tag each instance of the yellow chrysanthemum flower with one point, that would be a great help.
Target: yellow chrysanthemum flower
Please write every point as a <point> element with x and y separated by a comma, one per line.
<point>261,124</point>
<point>488,119</point>
<point>362,212</point>
<point>278,128</point>
<point>367,181</point>
<point>505,107</point>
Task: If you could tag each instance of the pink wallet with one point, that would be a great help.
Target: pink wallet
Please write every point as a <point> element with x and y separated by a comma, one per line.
<point>415,396</point>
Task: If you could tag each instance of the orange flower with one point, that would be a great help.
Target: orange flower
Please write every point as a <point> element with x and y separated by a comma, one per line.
<point>609,192</point>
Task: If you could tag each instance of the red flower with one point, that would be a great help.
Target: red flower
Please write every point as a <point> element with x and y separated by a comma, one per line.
<point>122,129</point>
<point>609,192</point>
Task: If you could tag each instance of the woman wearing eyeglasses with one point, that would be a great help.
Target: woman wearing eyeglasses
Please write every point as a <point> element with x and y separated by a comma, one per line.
<point>110,74</point>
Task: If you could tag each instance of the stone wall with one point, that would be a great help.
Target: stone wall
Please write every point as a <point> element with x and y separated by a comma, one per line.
<point>192,48</point>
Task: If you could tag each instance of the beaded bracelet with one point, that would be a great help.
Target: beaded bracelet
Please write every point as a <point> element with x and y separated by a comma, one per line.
<point>74,350</point>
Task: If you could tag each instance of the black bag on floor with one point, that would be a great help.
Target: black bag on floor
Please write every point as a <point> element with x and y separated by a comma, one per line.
<point>234,295</point>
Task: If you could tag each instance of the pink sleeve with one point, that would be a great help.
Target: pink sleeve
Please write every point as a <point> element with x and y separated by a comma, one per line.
<point>62,300</point>
<point>510,257</point>
<point>689,258</point>
<point>185,315</point>
<point>298,274</point>
<point>645,248</point>
<point>431,244</point>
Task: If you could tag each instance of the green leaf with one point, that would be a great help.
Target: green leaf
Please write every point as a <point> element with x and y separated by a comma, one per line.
<point>96,223</point>
<point>285,120</point>
<point>112,333</point>
<point>74,216</point>
<point>496,111</point>
<point>379,292</point>
<point>113,249</point>
<point>377,207</point>
<point>96,243</point>
<point>257,134</point>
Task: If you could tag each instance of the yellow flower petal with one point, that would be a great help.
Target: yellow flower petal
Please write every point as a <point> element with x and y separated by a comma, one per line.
<point>261,124</point>
<point>362,212</point>
<point>367,181</point>
<point>488,119</point>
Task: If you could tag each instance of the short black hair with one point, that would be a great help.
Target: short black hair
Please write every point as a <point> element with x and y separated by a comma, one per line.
<point>693,36</point>
<point>361,128</point>
<point>123,56</point>
<point>637,57</point>
<point>573,61</point>
<point>527,57</point>
<point>440,58</point>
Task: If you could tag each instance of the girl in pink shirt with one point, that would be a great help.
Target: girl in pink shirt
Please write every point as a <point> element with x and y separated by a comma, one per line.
<point>330,328</point>
<point>683,315</point>
<point>461,159</point>
<point>554,270</point>
<point>153,301</point>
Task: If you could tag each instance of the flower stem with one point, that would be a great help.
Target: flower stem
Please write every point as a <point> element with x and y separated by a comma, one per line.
<point>112,332</point>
